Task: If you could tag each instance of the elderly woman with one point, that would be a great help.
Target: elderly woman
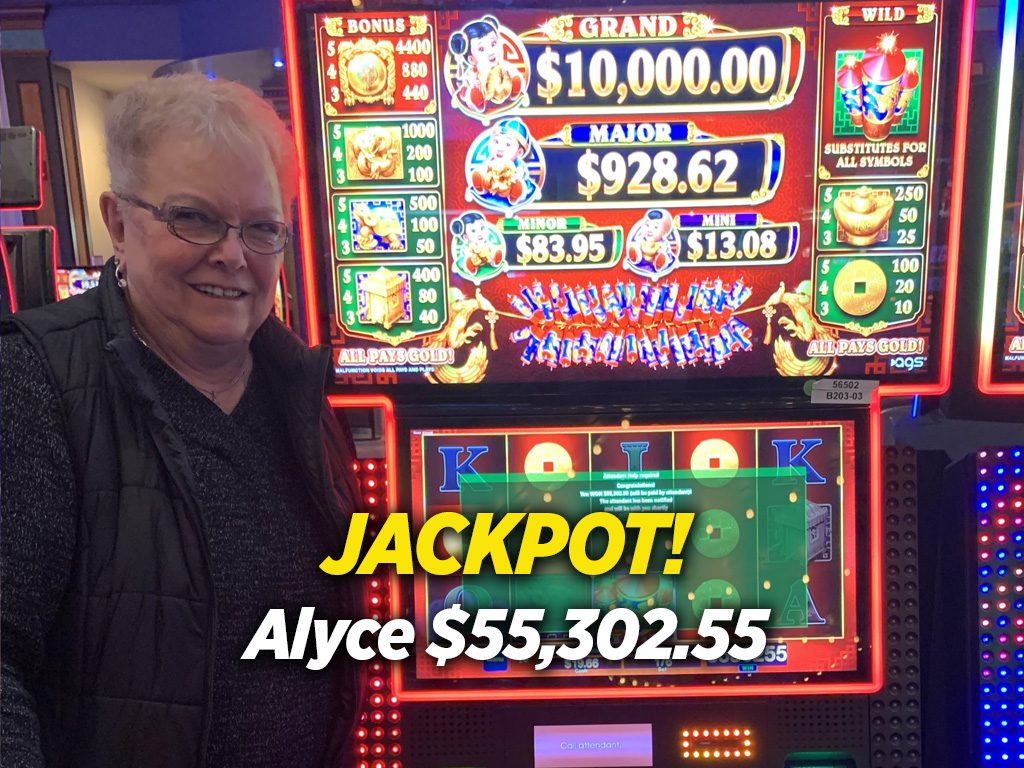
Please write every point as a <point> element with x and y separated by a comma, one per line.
<point>170,468</point>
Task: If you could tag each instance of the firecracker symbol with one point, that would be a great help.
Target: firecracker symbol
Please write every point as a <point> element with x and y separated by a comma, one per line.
<point>659,325</point>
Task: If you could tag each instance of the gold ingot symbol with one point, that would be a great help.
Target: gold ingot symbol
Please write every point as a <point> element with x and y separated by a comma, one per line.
<point>863,215</point>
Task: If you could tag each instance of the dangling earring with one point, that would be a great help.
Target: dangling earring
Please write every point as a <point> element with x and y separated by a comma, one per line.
<point>121,282</point>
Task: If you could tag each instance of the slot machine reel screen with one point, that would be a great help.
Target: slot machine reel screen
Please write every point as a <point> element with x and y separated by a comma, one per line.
<point>781,523</point>
<point>721,191</point>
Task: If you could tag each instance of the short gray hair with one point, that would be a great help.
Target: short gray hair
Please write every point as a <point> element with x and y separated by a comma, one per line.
<point>224,113</point>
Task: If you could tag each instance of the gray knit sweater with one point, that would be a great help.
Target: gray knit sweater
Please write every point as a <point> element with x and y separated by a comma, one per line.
<point>263,543</point>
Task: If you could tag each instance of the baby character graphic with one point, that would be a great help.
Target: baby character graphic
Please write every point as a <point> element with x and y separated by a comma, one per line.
<point>653,244</point>
<point>485,80</point>
<point>478,248</point>
<point>505,168</point>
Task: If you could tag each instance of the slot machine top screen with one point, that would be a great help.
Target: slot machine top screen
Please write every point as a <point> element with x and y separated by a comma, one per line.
<point>513,195</point>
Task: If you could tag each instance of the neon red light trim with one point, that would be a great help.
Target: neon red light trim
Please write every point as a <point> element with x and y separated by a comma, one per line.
<point>624,692</point>
<point>11,298</point>
<point>390,435</point>
<point>1003,389</point>
<point>284,296</point>
<point>955,219</point>
<point>875,547</point>
<point>986,341</point>
<point>53,252</point>
<point>291,57</point>
<point>42,189</point>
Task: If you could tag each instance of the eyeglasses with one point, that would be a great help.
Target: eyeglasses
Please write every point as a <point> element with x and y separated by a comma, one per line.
<point>200,228</point>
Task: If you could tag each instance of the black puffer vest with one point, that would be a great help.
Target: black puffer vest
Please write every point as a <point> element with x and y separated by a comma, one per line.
<point>127,679</point>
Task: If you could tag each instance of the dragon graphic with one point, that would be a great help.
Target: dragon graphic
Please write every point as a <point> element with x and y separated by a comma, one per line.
<point>801,326</point>
<point>459,331</point>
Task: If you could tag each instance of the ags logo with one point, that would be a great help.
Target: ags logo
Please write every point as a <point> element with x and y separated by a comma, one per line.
<point>907,363</point>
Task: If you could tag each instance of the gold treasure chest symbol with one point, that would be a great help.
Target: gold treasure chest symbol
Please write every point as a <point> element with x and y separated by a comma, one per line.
<point>383,298</point>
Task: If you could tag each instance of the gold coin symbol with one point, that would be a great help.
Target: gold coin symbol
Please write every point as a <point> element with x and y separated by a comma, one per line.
<point>714,462</point>
<point>860,287</point>
<point>548,466</point>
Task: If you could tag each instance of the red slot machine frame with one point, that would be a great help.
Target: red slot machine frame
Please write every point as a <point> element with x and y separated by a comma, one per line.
<point>392,432</point>
<point>52,255</point>
<point>388,694</point>
<point>875,602</point>
<point>42,189</point>
<point>8,285</point>
<point>941,383</point>
<point>390,435</point>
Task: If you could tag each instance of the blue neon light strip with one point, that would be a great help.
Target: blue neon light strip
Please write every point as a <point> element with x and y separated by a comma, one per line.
<point>998,191</point>
<point>1000,509</point>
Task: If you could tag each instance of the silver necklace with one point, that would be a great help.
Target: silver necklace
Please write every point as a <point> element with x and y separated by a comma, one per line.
<point>211,394</point>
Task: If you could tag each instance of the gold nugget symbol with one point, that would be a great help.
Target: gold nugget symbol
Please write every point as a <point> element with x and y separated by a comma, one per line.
<point>863,215</point>
<point>374,153</point>
<point>860,287</point>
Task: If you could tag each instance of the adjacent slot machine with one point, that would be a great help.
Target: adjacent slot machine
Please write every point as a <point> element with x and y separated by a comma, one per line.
<point>31,264</point>
<point>21,157</point>
<point>72,281</point>
<point>27,252</point>
<point>672,258</point>
<point>991,482</point>
<point>1001,362</point>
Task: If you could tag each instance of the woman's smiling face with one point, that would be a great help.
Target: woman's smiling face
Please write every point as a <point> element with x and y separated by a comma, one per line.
<point>213,294</point>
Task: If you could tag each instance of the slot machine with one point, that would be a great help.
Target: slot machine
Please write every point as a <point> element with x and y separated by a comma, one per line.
<point>639,259</point>
<point>21,158</point>
<point>1001,362</point>
<point>28,252</point>
<point>72,281</point>
<point>31,264</point>
<point>990,483</point>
